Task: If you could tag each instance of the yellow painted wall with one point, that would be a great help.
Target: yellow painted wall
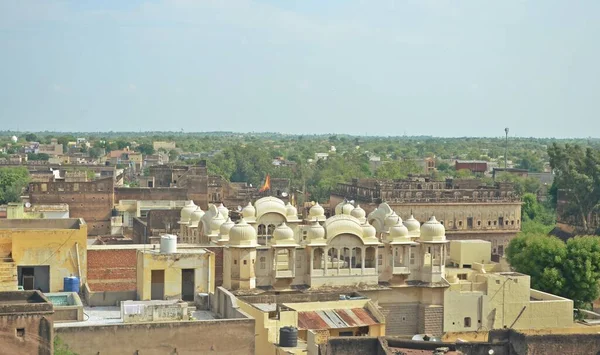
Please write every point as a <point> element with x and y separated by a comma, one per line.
<point>55,248</point>
<point>202,262</point>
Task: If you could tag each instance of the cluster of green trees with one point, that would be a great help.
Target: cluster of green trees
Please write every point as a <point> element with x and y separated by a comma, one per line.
<point>570,269</point>
<point>12,183</point>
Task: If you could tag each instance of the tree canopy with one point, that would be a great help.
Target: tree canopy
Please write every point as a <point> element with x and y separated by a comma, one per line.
<point>12,183</point>
<point>570,269</point>
<point>577,171</point>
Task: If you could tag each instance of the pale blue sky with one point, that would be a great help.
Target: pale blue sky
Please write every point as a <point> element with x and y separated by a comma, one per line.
<point>442,68</point>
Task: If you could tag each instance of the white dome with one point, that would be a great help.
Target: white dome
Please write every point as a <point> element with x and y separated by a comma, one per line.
<point>291,211</point>
<point>196,216</point>
<point>186,211</point>
<point>342,224</point>
<point>391,220</point>
<point>315,231</point>
<point>242,234</point>
<point>369,231</point>
<point>216,222</point>
<point>283,233</point>
<point>412,224</point>
<point>223,210</point>
<point>316,211</point>
<point>398,231</point>
<point>269,204</point>
<point>433,231</point>
<point>226,227</point>
<point>14,139</point>
<point>347,208</point>
<point>358,212</point>
<point>249,211</point>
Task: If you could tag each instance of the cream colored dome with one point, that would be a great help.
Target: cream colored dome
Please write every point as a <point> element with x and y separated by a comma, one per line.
<point>226,227</point>
<point>342,224</point>
<point>412,224</point>
<point>269,204</point>
<point>347,209</point>
<point>316,211</point>
<point>223,210</point>
<point>249,211</point>
<point>315,231</point>
<point>399,230</point>
<point>291,211</point>
<point>358,212</point>
<point>196,216</point>
<point>391,220</point>
<point>186,211</point>
<point>284,233</point>
<point>369,231</point>
<point>216,222</point>
<point>433,231</point>
<point>242,234</point>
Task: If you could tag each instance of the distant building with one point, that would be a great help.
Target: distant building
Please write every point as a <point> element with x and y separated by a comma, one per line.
<point>474,166</point>
<point>513,171</point>
<point>163,145</point>
<point>319,156</point>
<point>468,209</point>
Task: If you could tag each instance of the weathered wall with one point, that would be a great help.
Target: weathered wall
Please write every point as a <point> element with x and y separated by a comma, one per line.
<point>217,337</point>
<point>218,274</point>
<point>146,193</point>
<point>353,346</point>
<point>53,247</point>
<point>547,344</point>
<point>92,201</point>
<point>112,269</point>
<point>172,264</point>
<point>37,338</point>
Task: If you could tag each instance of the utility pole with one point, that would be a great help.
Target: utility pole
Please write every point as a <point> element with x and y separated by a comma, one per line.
<point>505,148</point>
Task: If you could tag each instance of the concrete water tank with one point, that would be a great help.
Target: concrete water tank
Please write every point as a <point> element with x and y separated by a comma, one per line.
<point>168,244</point>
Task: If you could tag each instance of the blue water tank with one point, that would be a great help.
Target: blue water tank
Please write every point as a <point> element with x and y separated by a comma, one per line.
<point>71,284</point>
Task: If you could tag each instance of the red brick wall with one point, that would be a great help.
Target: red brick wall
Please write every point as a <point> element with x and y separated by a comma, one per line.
<point>112,269</point>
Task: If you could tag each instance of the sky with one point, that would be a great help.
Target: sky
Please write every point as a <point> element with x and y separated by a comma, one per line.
<point>413,67</point>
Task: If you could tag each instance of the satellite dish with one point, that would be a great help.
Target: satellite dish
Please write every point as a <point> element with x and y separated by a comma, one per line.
<point>27,204</point>
<point>239,208</point>
<point>284,194</point>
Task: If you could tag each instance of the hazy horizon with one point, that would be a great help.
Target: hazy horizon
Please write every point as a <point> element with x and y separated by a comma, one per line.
<point>384,68</point>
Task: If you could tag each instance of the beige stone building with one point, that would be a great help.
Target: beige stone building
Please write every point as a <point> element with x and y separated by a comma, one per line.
<point>402,266</point>
<point>466,208</point>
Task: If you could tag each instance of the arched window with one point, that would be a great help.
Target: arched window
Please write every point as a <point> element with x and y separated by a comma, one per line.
<point>270,229</point>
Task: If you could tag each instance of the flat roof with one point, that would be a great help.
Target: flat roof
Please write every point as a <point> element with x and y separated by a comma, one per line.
<point>94,316</point>
<point>42,223</point>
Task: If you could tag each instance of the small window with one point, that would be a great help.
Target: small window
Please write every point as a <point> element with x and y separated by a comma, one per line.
<point>467,322</point>
<point>478,223</point>
<point>489,223</point>
<point>460,223</point>
<point>462,276</point>
<point>235,262</point>
<point>497,282</point>
<point>245,262</point>
<point>20,332</point>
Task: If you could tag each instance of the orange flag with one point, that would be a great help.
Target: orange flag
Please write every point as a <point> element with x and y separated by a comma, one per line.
<point>267,185</point>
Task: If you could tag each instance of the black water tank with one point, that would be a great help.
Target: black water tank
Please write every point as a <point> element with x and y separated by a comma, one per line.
<point>288,337</point>
<point>114,212</point>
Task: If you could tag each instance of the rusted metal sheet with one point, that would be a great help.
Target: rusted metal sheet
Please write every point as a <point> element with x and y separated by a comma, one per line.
<point>335,318</point>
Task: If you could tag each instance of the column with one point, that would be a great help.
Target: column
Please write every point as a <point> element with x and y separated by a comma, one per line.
<point>363,252</point>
